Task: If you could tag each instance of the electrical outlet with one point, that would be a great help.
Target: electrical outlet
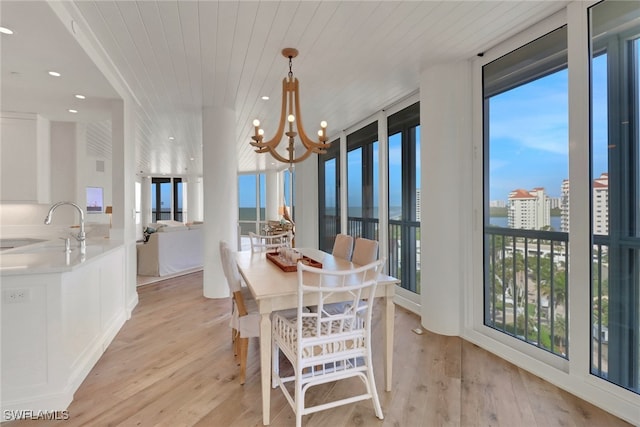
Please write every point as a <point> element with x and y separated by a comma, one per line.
<point>14,296</point>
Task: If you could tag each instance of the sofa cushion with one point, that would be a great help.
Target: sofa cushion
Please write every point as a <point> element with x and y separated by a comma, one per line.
<point>171,228</point>
<point>170,223</point>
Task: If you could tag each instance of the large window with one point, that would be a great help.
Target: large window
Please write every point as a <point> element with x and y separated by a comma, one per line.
<point>362,182</point>
<point>404,197</point>
<point>329,196</point>
<point>166,199</point>
<point>615,165</point>
<point>251,202</point>
<point>526,168</point>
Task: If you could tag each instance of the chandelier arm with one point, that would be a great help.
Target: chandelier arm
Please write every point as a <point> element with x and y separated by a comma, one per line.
<point>276,155</point>
<point>306,141</point>
<point>303,157</point>
<point>303,135</point>
<point>273,142</point>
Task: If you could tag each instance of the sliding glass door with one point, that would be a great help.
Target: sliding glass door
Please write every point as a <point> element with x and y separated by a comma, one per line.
<point>362,182</point>
<point>615,164</point>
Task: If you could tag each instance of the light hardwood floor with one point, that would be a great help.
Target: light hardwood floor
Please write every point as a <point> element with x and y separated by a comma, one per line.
<point>172,365</point>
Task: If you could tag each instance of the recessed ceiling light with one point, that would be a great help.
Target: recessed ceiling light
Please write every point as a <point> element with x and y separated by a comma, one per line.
<point>5,30</point>
<point>80,96</point>
<point>265,98</point>
<point>72,111</point>
<point>192,159</point>
<point>54,73</point>
<point>171,138</point>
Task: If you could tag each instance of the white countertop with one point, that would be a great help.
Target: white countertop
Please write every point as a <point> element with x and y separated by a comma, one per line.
<point>50,257</point>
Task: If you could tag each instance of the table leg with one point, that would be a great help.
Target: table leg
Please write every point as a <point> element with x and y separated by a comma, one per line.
<point>389,319</point>
<point>265,366</point>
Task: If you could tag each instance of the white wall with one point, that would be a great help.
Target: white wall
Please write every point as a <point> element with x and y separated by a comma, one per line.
<point>70,173</point>
<point>306,202</point>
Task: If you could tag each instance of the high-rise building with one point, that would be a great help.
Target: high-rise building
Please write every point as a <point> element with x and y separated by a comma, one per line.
<point>529,209</point>
<point>600,200</point>
<point>564,206</point>
<point>418,204</point>
<point>601,204</point>
<point>555,202</point>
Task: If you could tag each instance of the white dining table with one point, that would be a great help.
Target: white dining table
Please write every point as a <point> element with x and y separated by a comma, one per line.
<point>274,289</point>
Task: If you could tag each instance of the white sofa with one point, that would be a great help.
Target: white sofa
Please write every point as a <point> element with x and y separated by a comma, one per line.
<point>170,250</point>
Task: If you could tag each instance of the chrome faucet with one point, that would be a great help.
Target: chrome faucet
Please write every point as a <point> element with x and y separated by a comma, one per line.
<point>81,236</point>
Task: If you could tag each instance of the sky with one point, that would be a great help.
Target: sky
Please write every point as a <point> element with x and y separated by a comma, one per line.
<point>529,136</point>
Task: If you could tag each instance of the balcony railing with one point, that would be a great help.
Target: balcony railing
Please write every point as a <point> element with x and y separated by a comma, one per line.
<point>362,227</point>
<point>526,293</point>
<point>404,247</point>
<point>404,253</point>
<point>329,227</point>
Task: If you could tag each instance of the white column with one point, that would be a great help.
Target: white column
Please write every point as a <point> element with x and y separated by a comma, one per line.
<point>145,202</point>
<point>273,195</point>
<point>306,198</point>
<point>123,190</point>
<point>220,185</point>
<point>445,123</point>
<point>194,198</point>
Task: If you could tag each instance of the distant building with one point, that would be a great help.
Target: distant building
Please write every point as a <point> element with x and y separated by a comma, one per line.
<point>600,208</point>
<point>497,204</point>
<point>555,202</point>
<point>601,204</point>
<point>418,204</point>
<point>529,209</point>
<point>564,206</point>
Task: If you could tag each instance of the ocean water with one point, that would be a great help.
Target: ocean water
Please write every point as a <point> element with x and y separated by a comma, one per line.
<point>502,221</point>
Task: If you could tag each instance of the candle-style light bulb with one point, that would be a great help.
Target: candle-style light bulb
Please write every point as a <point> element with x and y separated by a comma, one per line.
<point>323,124</point>
<point>320,133</point>
<point>291,118</point>
<point>260,132</point>
<point>256,122</point>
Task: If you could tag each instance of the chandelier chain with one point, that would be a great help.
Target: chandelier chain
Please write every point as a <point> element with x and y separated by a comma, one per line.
<point>290,65</point>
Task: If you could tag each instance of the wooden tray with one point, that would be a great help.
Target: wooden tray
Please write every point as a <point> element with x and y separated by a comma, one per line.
<point>274,257</point>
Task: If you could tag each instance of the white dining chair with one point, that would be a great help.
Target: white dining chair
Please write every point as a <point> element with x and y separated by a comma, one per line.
<point>324,347</point>
<point>263,243</point>
<point>365,251</point>
<point>245,318</point>
<point>343,246</point>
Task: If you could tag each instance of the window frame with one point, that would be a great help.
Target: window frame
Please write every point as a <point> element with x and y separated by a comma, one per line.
<point>325,237</point>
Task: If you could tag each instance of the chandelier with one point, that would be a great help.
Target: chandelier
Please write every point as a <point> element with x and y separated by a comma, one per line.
<point>289,115</point>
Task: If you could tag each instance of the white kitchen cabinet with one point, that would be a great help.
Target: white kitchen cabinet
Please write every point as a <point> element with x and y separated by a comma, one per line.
<point>25,148</point>
<point>56,321</point>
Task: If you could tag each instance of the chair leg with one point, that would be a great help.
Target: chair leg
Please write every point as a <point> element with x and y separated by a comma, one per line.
<point>373,390</point>
<point>299,397</point>
<point>244,347</point>
<point>275,364</point>
<point>234,342</point>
